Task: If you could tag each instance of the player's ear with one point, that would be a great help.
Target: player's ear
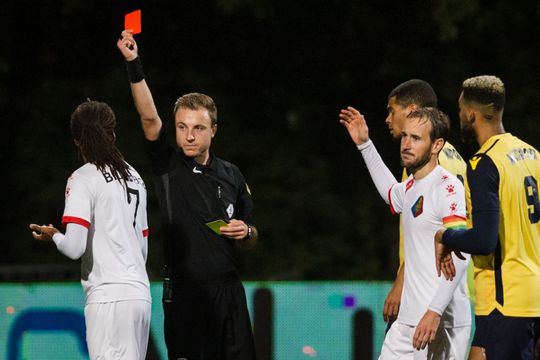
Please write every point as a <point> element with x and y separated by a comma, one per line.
<point>438,144</point>
<point>214,130</point>
<point>471,117</point>
<point>411,108</point>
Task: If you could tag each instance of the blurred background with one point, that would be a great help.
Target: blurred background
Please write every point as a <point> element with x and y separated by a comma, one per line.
<point>279,71</point>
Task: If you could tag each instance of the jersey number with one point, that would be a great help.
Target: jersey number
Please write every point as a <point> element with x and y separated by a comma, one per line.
<point>135,192</point>
<point>531,192</point>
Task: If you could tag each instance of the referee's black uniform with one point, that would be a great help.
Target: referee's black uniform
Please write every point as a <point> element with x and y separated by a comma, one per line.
<point>204,301</point>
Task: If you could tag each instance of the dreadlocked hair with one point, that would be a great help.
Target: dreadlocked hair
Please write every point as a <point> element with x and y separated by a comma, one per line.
<point>92,127</point>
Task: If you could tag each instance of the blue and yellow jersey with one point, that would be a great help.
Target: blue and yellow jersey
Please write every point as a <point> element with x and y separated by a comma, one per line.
<point>503,177</point>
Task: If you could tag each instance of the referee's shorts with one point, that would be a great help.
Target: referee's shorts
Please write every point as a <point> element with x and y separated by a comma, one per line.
<point>506,337</point>
<point>208,323</point>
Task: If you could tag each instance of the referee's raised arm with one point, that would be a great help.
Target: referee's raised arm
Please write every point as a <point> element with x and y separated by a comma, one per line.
<point>150,120</point>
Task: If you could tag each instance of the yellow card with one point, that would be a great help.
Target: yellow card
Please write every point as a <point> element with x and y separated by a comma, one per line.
<point>215,225</point>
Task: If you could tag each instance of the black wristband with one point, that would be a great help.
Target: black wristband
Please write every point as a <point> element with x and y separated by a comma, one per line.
<point>135,70</point>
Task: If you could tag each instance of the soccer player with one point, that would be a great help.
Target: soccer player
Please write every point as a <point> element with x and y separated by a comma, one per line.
<point>434,319</point>
<point>205,308</point>
<point>105,220</point>
<point>505,238</point>
<point>403,99</point>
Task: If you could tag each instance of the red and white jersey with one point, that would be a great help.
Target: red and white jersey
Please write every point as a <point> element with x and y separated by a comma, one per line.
<point>427,205</point>
<point>113,267</point>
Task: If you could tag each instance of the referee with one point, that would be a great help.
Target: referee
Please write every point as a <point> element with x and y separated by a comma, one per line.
<point>205,308</point>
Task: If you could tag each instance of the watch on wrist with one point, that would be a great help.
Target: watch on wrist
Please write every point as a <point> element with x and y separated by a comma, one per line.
<point>248,235</point>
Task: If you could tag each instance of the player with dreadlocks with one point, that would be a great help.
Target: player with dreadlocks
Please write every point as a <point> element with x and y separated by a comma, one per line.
<point>106,224</point>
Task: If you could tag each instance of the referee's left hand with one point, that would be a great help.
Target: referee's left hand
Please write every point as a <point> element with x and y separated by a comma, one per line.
<point>236,229</point>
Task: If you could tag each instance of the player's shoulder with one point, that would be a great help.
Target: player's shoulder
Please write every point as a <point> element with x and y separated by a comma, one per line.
<point>446,186</point>
<point>227,169</point>
<point>449,154</point>
<point>87,171</point>
<point>443,178</point>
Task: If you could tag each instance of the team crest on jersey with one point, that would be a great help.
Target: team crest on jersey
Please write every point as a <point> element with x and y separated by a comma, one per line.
<point>418,207</point>
<point>230,210</point>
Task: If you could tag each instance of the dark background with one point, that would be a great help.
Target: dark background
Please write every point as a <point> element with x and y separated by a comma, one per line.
<point>279,71</point>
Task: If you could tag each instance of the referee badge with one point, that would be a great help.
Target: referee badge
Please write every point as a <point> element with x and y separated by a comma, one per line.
<point>230,210</point>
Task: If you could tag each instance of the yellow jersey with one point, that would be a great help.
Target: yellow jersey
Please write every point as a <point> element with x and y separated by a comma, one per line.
<point>509,278</point>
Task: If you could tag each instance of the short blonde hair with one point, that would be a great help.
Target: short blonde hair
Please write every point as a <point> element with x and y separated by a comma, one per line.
<point>487,91</point>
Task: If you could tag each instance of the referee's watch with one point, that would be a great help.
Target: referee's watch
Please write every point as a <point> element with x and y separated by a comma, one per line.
<point>248,235</point>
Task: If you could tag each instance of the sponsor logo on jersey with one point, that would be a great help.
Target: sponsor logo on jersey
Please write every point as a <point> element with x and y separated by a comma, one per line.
<point>196,171</point>
<point>474,161</point>
<point>453,207</point>
<point>450,190</point>
<point>418,207</point>
<point>444,178</point>
<point>409,185</point>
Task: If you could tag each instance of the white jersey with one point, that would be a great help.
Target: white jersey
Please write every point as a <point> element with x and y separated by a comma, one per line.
<point>427,205</point>
<point>113,266</point>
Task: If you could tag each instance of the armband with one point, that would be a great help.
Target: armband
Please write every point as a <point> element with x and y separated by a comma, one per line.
<point>135,70</point>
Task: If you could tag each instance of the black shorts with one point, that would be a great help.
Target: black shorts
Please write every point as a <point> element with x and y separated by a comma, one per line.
<point>208,323</point>
<point>505,337</point>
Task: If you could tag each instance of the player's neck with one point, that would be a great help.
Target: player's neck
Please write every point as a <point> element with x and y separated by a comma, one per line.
<point>490,129</point>
<point>426,169</point>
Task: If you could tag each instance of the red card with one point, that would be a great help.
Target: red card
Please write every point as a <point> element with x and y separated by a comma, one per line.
<point>133,21</point>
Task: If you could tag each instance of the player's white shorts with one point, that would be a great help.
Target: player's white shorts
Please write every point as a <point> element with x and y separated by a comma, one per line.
<point>118,329</point>
<point>449,344</point>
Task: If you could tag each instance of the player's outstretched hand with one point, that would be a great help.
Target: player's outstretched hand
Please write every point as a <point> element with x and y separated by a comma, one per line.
<point>44,232</point>
<point>426,330</point>
<point>355,124</point>
<point>443,257</point>
<point>127,45</point>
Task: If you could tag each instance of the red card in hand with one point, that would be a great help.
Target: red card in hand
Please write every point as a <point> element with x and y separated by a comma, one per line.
<point>133,21</point>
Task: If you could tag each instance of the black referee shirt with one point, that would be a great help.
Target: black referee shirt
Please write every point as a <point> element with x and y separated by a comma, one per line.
<point>191,195</point>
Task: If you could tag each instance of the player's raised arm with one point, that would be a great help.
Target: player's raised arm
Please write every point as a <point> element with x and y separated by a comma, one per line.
<point>355,124</point>
<point>357,127</point>
<point>150,120</point>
